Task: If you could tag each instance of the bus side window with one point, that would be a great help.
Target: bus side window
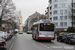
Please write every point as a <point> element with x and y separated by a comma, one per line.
<point>35,29</point>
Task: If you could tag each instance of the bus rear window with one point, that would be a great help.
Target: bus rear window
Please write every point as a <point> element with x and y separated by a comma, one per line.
<point>46,27</point>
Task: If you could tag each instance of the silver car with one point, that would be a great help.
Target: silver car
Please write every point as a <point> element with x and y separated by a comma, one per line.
<point>2,39</point>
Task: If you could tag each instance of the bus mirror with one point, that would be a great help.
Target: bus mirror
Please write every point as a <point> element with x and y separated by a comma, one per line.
<point>32,28</point>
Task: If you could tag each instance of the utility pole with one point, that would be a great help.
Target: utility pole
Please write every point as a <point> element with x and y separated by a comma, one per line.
<point>72,16</point>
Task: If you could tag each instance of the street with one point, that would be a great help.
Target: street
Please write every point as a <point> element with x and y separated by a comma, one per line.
<point>25,42</point>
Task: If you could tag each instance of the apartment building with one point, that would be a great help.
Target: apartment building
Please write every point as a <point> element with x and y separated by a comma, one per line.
<point>60,13</point>
<point>47,13</point>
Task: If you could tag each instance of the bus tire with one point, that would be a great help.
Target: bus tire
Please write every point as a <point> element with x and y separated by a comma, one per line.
<point>50,40</point>
<point>35,38</point>
<point>32,37</point>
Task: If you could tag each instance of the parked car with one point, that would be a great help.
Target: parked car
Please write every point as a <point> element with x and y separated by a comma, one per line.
<point>2,39</point>
<point>29,32</point>
<point>10,34</point>
<point>20,32</point>
<point>6,35</point>
<point>70,38</point>
<point>61,36</point>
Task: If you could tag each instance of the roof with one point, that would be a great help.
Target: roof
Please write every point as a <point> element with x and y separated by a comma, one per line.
<point>42,21</point>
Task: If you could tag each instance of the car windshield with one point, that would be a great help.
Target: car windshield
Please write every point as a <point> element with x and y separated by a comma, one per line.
<point>65,34</point>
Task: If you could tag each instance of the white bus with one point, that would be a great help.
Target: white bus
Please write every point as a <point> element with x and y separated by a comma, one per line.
<point>43,30</point>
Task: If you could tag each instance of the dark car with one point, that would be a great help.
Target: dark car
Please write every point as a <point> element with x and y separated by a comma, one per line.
<point>61,36</point>
<point>29,32</point>
<point>70,38</point>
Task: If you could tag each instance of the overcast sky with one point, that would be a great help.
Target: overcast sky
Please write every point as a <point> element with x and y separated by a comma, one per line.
<point>28,7</point>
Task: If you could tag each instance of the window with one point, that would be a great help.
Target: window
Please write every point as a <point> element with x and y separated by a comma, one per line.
<point>63,0</point>
<point>74,5</point>
<point>19,20</point>
<point>61,23</point>
<point>65,17</point>
<point>55,0</point>
<point>73,11</point>
<point>50,1</point>
<point>50,13</point>
<point>55,18</point>
<point>61,17</point>
<point>65,23</point>
<point>65,11</point>
<point>56,24</point>
<point>63,5</point>
<point>55,12</point>
<point>61,11</point>
<point>20,23</point>
<point>55,6</point>
<point>50,7</point>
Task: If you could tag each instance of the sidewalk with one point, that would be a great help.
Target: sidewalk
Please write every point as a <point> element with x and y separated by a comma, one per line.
<point>9,42</point>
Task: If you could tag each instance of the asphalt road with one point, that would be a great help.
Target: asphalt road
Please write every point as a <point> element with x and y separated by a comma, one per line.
<point>25,42</point>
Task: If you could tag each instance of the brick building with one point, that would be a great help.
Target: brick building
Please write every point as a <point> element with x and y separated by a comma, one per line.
<point>34,18</point>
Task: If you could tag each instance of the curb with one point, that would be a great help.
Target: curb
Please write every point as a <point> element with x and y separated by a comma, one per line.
<point>12,44</point>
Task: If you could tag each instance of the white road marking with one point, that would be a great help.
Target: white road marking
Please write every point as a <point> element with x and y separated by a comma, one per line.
<point>44,45</point>
<point>48,47</point>
<point>40,43</point>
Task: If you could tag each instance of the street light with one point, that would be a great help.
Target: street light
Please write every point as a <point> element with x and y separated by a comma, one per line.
<point>72,16</point>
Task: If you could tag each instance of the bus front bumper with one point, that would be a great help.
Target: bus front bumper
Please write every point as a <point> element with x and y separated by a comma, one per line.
<point>46,38</point>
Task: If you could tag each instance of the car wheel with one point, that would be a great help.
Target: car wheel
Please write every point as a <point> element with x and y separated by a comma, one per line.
<point>64,41</point>
<point>69,42</point>
<point>50,40</point>
<point>57,39</point>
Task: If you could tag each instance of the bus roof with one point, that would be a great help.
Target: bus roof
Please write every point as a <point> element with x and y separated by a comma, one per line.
<point>42,21</point>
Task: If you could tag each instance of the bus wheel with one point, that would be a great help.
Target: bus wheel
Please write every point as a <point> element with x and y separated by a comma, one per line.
<point>50,40</point>
<point>33,37</point>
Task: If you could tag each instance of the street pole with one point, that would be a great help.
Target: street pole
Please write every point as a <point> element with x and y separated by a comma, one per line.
<point>72,16</point>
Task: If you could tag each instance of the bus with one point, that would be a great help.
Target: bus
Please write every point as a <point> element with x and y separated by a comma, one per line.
<point>43,30</point>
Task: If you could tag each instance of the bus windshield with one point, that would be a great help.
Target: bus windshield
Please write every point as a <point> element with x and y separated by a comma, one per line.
<point>46,27</point>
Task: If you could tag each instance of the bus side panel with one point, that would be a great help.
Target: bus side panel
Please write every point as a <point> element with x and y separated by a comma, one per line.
<point>46,34</point>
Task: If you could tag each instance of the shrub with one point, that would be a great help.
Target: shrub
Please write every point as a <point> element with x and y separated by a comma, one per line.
<point>70,29</point>
<point>57,32</point>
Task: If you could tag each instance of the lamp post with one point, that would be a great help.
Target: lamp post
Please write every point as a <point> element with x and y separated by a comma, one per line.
<point>72,16</point>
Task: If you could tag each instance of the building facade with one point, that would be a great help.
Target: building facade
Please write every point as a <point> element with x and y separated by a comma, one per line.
<point>60,13</point>
<point>26,24</point>
<point>33,18</point>
<point>20,21</point>
<point>47,13</point>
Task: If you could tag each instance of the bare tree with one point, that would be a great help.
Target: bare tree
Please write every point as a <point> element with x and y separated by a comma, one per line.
<point>70,13</point>
<point>7,10</point>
